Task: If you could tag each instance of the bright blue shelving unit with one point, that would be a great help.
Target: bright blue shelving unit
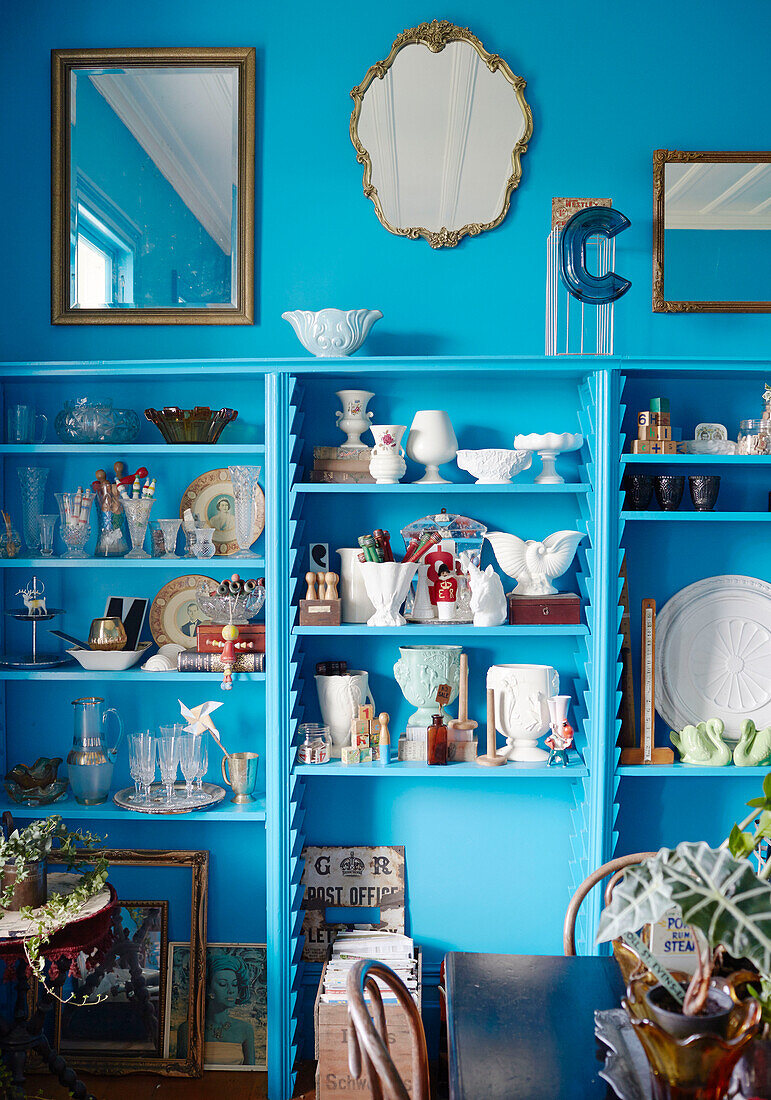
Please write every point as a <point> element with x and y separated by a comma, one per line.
<point>512,842</point>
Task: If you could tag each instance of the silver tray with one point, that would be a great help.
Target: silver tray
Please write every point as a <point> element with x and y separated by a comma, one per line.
<point>201,800</point>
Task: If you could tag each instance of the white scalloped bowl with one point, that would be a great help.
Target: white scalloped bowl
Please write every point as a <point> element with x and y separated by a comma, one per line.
<point>114,660</point>
<point>494,465</point>
<point>549,441</point>
<point>328,333</point>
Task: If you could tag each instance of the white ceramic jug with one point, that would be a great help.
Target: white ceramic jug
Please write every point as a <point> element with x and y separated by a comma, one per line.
<point>357,606</point>
<point>340,698</point>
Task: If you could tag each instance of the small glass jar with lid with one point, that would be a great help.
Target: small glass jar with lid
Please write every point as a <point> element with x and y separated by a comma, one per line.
<point>754,437</point>
<point>315,744</point>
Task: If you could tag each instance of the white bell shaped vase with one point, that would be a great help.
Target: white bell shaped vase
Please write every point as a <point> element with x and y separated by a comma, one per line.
<point>387,584</point>
<point>431,442</point>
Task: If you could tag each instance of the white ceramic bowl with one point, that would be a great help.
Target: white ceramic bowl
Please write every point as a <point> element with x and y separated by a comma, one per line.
<point>112,660</point>
<point>549,441</point>
<point>332,332</point>
<point>494,465</point>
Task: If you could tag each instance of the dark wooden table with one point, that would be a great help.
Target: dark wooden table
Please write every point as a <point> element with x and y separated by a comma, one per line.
<point>521,1027</point>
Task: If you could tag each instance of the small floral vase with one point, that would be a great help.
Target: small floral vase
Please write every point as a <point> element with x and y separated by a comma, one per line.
<point>387,464</point>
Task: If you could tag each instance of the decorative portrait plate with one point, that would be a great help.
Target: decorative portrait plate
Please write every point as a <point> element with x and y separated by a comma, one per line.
<point>175,613</point>
<point>210,498</point>
<point>713,654</point>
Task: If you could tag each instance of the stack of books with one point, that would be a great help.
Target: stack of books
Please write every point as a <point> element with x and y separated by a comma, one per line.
<point>342,466</point>
<point>250,650</point>
<point>392,948</point>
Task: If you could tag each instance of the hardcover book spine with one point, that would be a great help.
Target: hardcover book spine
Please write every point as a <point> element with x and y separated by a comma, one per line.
<point>212,662</point>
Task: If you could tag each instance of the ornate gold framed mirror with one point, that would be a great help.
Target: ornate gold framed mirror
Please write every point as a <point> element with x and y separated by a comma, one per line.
<point>152,179</point>
<point>440,127</point>
<point>711,232</point>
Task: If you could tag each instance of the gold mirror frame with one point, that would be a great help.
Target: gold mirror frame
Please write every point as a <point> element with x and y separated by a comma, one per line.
<point>436,35</point>
<point>661,158</point>
<point>62,64</point>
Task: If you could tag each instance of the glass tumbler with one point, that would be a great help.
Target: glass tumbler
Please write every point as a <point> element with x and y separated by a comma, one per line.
<point>190,759</point>
<point>75,516</point>
<point>33,483</point>
<point>204,542</point>
<point>47,525</point>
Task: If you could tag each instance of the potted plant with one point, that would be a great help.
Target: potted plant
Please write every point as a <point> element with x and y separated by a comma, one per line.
<point>726,902</point>
<point>23,859</point>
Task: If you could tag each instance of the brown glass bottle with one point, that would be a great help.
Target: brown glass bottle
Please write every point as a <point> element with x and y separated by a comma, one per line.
<point>437,740</point>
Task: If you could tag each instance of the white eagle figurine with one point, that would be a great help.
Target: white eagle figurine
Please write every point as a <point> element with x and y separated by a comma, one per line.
<point>532,564</point>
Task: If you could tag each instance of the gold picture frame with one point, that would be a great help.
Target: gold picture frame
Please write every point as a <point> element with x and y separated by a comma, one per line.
<point>62,64</point>
<point>435,36</point>
<point>191,1066</point>
<point>662,157</point>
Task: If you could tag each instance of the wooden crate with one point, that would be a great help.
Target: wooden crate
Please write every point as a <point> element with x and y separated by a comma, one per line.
<point>333,1078</point>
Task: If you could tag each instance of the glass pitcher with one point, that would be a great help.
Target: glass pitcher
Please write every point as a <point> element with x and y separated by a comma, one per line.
<point>89,763</point>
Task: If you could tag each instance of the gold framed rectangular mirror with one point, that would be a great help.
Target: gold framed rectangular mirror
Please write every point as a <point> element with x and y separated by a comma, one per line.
<point>711,232</point>
<point>152,186</point>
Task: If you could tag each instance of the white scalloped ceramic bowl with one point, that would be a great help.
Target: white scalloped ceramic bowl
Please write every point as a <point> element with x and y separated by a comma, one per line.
<point>328,333</point>
<point>549,441</point>
<point>112,660</point>
<point>494,465</point>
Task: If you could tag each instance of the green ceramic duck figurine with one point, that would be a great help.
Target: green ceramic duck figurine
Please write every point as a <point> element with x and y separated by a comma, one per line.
<point>702,745</point>
<point>754,746</point>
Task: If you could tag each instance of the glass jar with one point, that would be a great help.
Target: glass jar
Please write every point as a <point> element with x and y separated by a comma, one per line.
<point>754,437</point>
<point>315,744</point>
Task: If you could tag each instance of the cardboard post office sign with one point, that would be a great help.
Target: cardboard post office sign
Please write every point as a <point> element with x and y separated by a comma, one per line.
<point>350,878</point>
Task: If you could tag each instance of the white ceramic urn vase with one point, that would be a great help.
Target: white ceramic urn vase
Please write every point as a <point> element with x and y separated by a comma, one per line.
<point>521,694</point>
<point>387,464</point>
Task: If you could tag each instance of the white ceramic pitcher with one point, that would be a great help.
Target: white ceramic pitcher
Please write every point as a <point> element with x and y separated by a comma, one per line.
<point>357,606</point>
<point>339,699</point>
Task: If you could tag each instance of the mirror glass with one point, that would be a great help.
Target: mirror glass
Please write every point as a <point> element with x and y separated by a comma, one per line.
<point>153,204</point>
<point>717,232</point>
<point>442,133</point>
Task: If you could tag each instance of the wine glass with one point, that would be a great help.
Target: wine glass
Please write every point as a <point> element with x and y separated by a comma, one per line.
<point>138,516</point>
<point>190,759</point>
<point>203,761</point>
<point>168,758</point>
<point>142,752</point>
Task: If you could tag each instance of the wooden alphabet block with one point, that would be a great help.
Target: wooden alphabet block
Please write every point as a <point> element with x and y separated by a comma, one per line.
<point>365,756</point>
<point>655,431</point>
<point>641,447</point>
<point>349,756</point>
<point>659,404</point>
<point>663,447</point>
<point>367,711</point>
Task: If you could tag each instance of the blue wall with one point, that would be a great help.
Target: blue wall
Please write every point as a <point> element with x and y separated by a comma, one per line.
<point>687,75</point>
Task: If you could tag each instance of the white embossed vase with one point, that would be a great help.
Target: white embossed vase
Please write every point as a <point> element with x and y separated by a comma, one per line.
<point>354,419</point>
<point>521,694</point>
<point>419,672</point>
<point>339,699</point>
<point>387,464</point>
<point>387,584</point>
<point>357,606</point>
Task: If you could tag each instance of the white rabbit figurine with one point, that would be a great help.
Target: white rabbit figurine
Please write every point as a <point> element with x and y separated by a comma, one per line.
<point>488,602</point>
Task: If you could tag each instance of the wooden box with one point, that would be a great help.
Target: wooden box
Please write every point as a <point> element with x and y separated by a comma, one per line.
<point>333,1078</point>
<point>251,638</point>
<point>561,610</point>
<point>320,612</point>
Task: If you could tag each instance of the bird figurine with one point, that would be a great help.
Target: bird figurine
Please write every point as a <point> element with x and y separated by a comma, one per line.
<point>532,564</point>
<point>702,745</point>
<point>753,747</point>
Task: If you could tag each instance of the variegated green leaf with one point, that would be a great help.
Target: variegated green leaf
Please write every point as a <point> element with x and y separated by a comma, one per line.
<point>641,896</point>
<point>723,897</point>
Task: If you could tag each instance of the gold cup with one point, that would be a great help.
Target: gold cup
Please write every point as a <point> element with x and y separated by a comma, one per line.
<point>243,775</point>
<point>107,634</point>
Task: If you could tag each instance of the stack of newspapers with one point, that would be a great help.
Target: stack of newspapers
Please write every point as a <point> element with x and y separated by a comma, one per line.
<point>395,950</point>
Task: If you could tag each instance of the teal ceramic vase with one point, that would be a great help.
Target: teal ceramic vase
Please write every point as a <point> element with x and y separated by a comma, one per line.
<point>419,672</point>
